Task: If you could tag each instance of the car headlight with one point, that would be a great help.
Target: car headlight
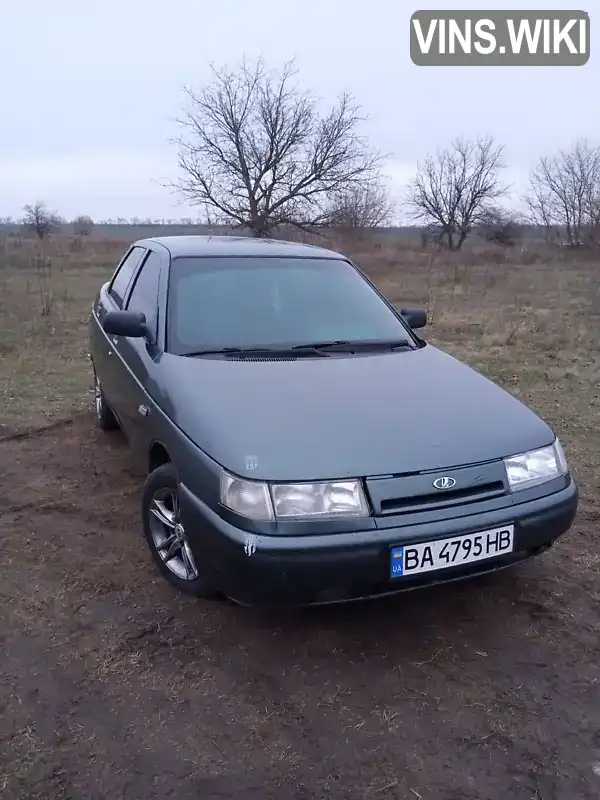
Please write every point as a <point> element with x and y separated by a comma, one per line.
<point>324,500</point>
<point>319,500</point>
<point>537,466</point>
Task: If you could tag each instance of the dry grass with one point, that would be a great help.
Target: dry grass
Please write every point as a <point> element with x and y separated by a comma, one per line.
<point>46,292</point>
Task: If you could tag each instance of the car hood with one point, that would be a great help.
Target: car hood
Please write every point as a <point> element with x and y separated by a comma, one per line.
<point>320,418</point>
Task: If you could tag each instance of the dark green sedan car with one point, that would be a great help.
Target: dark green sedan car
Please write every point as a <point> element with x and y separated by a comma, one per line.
<point>303,444</point>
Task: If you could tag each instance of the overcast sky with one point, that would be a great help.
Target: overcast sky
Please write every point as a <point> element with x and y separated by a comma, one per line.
<point>90,90</point>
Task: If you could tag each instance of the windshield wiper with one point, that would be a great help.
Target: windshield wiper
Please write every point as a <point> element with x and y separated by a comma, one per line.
<point>250,351</point>
<point>353,345</point>
<point>227,350</point>
<point>337,345</point>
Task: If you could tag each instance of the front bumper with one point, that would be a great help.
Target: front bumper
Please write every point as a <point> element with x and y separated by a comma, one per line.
<point>336,567</point>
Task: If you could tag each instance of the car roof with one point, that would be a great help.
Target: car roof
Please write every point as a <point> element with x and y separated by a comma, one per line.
<point>236,246</point>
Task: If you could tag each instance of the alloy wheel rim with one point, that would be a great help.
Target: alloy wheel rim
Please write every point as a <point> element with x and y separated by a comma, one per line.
<point>169,537</point>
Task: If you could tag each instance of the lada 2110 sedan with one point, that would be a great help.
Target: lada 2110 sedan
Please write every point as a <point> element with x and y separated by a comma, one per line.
<point>303,444</point>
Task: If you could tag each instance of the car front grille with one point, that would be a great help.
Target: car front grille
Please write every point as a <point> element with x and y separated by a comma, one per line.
<point>403,494</point>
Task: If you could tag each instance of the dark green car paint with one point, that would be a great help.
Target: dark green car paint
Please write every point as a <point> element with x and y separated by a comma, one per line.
<point>395,419</point>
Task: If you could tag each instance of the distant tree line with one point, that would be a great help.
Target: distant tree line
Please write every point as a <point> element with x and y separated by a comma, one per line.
<point>257,152</point>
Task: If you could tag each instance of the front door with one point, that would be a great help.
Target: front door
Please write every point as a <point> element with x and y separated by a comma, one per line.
<point>137,358</point>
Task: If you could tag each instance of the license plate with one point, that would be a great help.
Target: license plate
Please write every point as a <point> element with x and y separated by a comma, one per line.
<point>413,559</point>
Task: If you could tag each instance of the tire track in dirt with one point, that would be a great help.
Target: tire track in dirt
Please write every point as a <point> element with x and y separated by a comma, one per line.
<point>8,434</point>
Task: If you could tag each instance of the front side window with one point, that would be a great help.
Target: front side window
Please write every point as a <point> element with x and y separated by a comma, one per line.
<point>125,273</point>
<point>144,295</point>
<point>270,302</point>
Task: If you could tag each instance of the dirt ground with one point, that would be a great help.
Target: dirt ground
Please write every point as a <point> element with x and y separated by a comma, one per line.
<point>112,685</point>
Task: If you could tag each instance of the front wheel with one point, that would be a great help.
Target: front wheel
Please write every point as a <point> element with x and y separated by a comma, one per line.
<point>166,536</point>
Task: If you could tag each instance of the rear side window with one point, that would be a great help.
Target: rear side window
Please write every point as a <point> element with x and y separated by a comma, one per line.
<point>124,275</point>
<point>144,295</point>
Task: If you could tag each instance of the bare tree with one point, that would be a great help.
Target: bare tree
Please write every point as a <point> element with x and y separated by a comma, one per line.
<point>361,207</point>
<point>500,226</point>
<point>539,211</point>
<point>432,234</point>
<point>594,221</point>
<point>564,192</point>
<point>82,225</point>
<point>255,151</point>
<point>40,220</point>
<point>451,189</point>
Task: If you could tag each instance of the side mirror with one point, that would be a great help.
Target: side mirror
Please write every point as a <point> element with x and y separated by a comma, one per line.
<point>126,323</point>
<point>415,317</point>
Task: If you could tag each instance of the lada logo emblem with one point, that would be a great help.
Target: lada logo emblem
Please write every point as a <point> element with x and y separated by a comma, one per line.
<point>444,483</point>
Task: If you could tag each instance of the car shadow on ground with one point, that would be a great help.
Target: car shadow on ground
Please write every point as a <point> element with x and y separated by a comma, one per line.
<point>418,626</point>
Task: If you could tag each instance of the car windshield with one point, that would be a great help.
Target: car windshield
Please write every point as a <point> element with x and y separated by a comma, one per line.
<point>270,302</point>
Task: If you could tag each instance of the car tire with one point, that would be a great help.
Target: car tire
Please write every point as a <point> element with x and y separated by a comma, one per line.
<point>160,512</point>
<point>105,418</point>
